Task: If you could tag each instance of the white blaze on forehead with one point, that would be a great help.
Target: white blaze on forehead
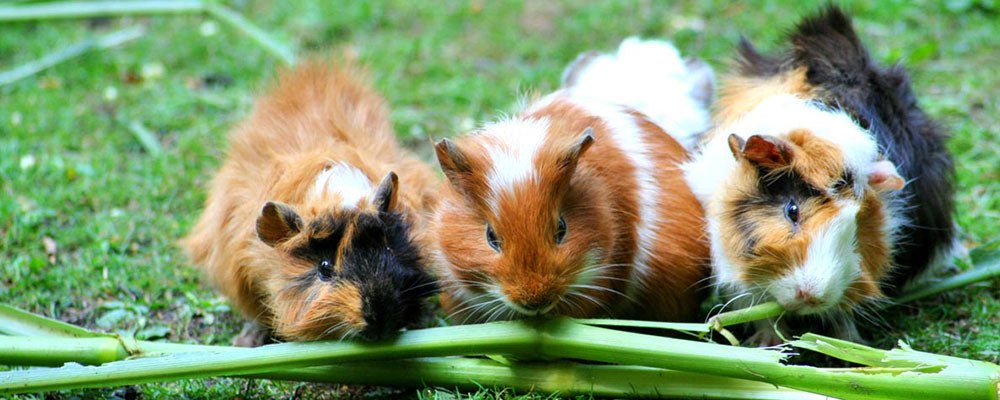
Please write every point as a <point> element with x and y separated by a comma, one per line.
<point>832,262</point>
<point>513,153</point>
<point>341,181</point>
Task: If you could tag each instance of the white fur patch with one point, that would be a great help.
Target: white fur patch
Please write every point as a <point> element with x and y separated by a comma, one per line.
<point>628,137</point>
<point>341,181</point>
<point>710,169</point>
<point>778,116</point>
<point>651,77</point>
<point>513,156</point>
<point>832,264</point>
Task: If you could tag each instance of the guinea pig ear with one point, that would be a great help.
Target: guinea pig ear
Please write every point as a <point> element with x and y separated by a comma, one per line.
<point>736,145</point>
<point>575,151</point>
<point>453,161</point>
<point>884,177</point>
<point>277,223</point>
<point>767,151</point>
<point>386,193</point>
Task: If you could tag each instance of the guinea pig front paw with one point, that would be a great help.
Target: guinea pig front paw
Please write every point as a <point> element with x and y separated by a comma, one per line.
<point>765,335</point>
<point>253,335</point>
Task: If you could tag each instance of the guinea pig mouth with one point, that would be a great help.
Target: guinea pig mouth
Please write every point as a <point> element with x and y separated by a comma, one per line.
<point>533,311</point>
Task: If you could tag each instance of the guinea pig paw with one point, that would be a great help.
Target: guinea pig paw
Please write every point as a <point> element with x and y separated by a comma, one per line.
<point>765,337</point>
<point>253,335</point>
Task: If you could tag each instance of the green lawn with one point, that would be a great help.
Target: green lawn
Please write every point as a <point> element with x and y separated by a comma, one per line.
<point>72,171</point>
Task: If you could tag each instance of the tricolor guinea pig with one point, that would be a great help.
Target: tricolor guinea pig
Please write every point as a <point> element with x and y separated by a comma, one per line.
<point>307,228</point>
<point>825,185</point>
<point>577,206</point>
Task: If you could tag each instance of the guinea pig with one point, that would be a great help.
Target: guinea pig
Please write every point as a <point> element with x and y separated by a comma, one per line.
<point>577,205</point>
<point>826,187</point>
<point>307,229</point>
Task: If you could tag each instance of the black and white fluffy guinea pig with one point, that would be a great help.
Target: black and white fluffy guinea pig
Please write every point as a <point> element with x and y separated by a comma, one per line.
<point>826,187</point>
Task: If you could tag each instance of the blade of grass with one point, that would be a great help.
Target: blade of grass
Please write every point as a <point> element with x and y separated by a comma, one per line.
<point>145,137</point>
<point>239,23</point>
<point>106,41</point>
<point>88,9</point>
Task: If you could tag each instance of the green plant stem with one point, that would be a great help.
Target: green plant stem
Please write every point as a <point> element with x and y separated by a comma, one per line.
<point>498,338</point>
<point>985,269</point>
<point>239,23</point>
<point>904,374</point>
<point>17,322</point>
<point>565,378</point>
<point>88,9</point>
<point>761,311</point>
<point>453,372</point>
<point>106,41</point>
<point>943,379</point>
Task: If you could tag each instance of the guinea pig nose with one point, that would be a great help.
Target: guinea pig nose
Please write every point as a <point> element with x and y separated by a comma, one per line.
<point>807,297</point>
<point>539,303</point>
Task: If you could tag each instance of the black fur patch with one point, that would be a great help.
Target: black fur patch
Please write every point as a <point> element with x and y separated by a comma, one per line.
<point>882,100</point>
<point>381,261</point>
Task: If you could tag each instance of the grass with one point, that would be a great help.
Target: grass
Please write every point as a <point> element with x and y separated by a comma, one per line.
<point>72,170</point>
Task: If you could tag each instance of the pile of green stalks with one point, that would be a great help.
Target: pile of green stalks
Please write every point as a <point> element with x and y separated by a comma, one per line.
<point>556,355</point>
<point>552,355</point>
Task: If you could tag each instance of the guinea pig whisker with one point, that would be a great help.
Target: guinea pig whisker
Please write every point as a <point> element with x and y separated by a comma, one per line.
<point>590,298</point>
<point>420,286</point>
<point>475,306</point>
<point>601,288</point>
<point>722,308</point>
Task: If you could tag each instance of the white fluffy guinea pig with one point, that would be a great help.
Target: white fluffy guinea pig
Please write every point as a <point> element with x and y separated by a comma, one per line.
<point>577,206</point>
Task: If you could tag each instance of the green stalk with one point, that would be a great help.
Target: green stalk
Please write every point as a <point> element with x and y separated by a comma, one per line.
<point>17,322</point>
<point>89,9</point>
<point>985,269</point>
<point>564,378</point>
<point>946,378</point>
<point>498,338</point>
<point>896,374</point>
<point>59,56</point>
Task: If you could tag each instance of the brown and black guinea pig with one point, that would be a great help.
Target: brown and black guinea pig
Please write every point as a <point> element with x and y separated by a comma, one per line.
<point>826,187</point>
<point>576,206</point>
<point>306,228</point>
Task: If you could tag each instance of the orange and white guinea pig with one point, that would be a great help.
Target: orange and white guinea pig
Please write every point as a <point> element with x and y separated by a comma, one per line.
<point>577,206</point>
<point>307,228</point>
<point>825,186</point>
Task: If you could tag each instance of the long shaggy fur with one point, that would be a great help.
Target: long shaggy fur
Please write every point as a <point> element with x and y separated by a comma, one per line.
<point>881,99</point>
<point>316,121</point>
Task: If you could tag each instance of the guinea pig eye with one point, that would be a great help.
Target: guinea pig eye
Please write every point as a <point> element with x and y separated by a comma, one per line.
<point>792,211</point>
<point>491,238</point>
<point>325,268</point>
<point>560,230</point>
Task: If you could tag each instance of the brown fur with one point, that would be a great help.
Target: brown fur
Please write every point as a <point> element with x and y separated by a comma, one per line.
<point>598,198</point>
<point>315,115</point>
<point>776,249</point>
<point>740,94</point>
